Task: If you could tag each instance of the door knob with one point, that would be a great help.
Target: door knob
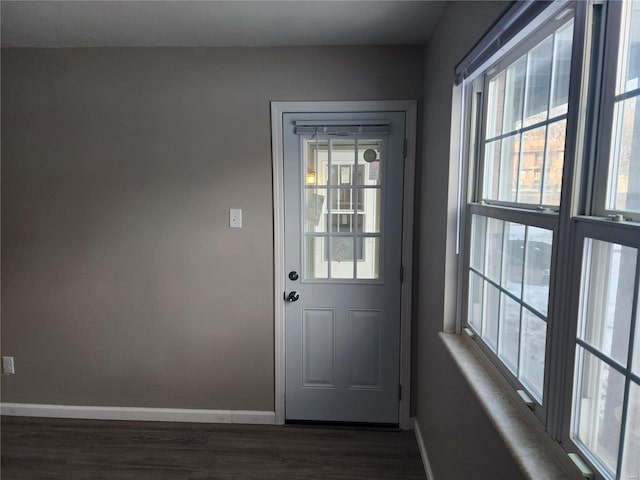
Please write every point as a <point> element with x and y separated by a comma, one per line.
<point>292,297</point>
<point>293,275</point>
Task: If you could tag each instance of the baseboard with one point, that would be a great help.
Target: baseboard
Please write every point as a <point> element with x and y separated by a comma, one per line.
<point>423,451</point>
<point>139,413</point>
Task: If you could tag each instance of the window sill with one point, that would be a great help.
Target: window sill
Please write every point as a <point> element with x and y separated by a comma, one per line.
<point>532,450</point>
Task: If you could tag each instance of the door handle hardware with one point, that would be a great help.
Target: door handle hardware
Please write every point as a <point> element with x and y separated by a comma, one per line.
<point>292,297</point>
<point>293,276</point>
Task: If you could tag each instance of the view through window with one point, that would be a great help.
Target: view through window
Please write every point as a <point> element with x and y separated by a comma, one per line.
<point>552,219</point>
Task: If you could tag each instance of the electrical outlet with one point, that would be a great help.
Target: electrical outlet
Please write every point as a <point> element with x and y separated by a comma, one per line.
<point>8,367</point>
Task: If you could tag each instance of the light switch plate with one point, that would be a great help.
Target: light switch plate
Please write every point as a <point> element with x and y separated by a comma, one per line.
<point>235,218</point>
<point>8,367</point>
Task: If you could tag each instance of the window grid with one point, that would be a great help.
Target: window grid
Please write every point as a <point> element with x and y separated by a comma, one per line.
<point>623,367</point>
<point>605,57</point>
<point>326,176</point>
<point>496,268</point>
<point>497,133</point>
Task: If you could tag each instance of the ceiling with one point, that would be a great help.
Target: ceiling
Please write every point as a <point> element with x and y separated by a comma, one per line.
<point>237,23</point>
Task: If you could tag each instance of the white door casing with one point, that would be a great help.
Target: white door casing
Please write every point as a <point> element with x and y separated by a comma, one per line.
<point>361,316</point>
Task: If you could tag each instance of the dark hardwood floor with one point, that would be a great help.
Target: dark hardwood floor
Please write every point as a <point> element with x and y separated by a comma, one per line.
<point>88,449</point>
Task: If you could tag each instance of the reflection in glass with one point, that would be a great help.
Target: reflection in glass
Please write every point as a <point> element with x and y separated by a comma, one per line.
<point>537,268</point>
<point>554,163</point>
<point>496,105</point>
<point>531,163</point>
<point>609,272</point>
<point>624,175</point>
<point>315,258</point>
<point>509,162</point>
<point>532,352</point>
<point>561,69</point>
<point>509,332</point>
<point>596,411</point>
<point>369,253</point>
<point>514,96</point>
<point>538,83</point>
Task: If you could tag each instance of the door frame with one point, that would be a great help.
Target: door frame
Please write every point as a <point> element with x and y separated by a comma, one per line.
<point>278,109</point>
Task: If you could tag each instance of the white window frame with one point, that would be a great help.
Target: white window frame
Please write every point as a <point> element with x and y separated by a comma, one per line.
<point>582,212</point>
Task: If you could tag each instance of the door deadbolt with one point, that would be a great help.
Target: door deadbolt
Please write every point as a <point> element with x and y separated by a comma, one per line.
<point>293,275</point>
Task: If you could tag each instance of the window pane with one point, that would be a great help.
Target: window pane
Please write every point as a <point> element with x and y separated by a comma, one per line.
<point>343,158</point>
<point>624,171</point>
<point>342,249</point>
<point>493,263</point>
<point>316,161</point>
<point>368,264</point>
<point>369,162</point>
<point>514,96</point>
<point>492,158</point>
<point>600,391</point>
<point>513,258</point>
<point>509,162</point>
<point>554,163</point>
<point>478,235</point>
<point>475,301</point>
<point>561,69</point>
<point>341,199</point>
<point>316,265</point>
<point>538,83</point>
<point>629,56</point>
<point>531,163</point>
<point>630,456</point>
<point>537,266</point>
<point>509,333</point>
<point>491,315</point>
<point>341,222</point>
<point>495,106</point>
<point>607,296</point>
<point>371,201</point>
<point>315,212</point>
<point>533,342</point>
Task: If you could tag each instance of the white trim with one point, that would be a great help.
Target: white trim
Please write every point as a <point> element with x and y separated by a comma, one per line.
<point>410,107</point>
<point>423,451</point>
<point>256,417</point>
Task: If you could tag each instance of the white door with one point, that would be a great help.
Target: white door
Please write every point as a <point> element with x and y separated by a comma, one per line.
<point>343,235</point>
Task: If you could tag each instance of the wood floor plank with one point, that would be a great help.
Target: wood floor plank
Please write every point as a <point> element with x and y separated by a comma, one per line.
<point>90,450</point>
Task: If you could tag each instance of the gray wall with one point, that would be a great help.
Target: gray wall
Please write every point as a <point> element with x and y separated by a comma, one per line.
<point>459,438</point>
<point>122,283</point>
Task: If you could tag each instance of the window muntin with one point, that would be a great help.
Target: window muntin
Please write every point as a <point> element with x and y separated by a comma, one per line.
<point>342,190</point>
<point>508,294</point>
<point>605,423</point>
<point>525,129</point>
<point>592,397</point>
